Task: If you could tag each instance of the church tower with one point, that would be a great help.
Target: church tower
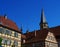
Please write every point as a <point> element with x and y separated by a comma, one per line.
<point>43,23</point>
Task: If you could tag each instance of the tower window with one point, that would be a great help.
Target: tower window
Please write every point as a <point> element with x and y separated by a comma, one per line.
<point>44,24</point>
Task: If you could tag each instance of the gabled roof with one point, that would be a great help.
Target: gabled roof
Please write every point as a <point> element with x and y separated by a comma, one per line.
<point>8,23</point>
<point>41,34</point>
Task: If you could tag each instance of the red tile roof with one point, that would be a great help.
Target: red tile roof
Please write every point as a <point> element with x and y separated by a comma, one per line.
<point>8,23</point>
<point>41,34</point>
<point>55,30</point>
<point>23,36</point>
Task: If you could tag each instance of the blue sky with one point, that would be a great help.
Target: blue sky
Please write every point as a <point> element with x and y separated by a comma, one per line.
<point>28,12</point>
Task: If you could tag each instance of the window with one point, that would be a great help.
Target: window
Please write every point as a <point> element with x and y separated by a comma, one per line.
<point>51,38</point>
<point>47,43</point>
<point>44,24</point>
<point>8,42</point>
<point>51,45</point>
<point>15,43</point>
<point>8,32</point>
<point>1,30</point>
<point>16,34</point>
<point>4,41</point>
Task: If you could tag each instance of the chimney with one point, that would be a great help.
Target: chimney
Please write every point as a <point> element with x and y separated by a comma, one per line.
<point>35,33</point>
<point>5,16</point>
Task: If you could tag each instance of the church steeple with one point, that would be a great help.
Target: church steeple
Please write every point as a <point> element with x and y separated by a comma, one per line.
<point>43,23</point>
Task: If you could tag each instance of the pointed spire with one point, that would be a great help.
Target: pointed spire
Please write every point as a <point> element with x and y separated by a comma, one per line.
<point>43,19</point>
<point>21,28</point>
<point>43,23</point>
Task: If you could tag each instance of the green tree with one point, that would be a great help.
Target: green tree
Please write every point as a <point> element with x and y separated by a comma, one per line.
<point>0,41</point>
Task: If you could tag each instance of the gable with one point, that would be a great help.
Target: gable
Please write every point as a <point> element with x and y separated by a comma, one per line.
<point>50,37</point>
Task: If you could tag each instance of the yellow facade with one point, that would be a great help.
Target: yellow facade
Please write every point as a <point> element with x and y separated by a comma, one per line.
<point>11,37</point>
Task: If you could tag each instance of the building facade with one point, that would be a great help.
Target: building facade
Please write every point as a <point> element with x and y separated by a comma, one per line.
<point>40,38</point>
<point>45,37</point>
<point>9,33</point>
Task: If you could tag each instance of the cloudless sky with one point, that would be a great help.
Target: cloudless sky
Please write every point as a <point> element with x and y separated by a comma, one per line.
<point>28,12</point>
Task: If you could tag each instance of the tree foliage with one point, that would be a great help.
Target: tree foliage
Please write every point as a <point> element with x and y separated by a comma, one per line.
<point>0,41</point>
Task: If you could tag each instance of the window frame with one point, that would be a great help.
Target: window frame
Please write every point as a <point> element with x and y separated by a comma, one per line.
<point>16,34</point>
